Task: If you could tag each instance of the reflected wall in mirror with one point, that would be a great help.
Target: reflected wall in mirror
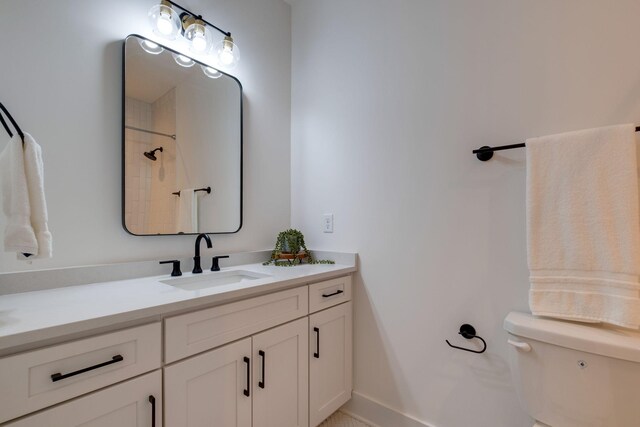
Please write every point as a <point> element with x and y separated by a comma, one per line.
<point>182,144</point>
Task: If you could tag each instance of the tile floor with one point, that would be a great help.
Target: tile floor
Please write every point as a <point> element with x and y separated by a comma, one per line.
<point>342,420</point>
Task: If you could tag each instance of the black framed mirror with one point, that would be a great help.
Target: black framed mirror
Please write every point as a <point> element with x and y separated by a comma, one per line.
<point>181,143</point>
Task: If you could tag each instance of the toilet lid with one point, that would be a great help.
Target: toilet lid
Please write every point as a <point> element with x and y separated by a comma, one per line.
<point>596,339</point>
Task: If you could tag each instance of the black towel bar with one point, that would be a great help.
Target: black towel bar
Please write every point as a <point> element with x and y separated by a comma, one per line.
<point>207,189</point>
<point>486,153</point>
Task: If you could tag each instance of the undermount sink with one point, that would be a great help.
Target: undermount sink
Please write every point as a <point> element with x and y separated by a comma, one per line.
<point>209,280</point>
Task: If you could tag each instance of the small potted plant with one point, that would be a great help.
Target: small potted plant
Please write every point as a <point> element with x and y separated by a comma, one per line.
<point>291,250</point>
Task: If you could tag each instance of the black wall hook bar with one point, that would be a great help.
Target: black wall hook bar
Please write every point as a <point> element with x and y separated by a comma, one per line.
<point>13,122</point>
<point>486,153</point>
<point>469,332</point>
<point>207,189</point>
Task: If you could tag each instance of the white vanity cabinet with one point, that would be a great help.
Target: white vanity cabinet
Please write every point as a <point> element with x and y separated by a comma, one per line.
<point>293,375</point>
<point>262,378</point>
<point>279,359</point>
<point>280,376</point>
<point>40,378</point>
<point>210,389</point>
<point>330,363</point>
<point>133,403</point>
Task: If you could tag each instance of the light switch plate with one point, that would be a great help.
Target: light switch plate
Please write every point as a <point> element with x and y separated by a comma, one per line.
<point>327,223</point>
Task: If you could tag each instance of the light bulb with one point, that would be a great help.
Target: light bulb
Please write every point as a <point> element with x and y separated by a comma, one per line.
<point>227,52</point>
<point>164,21</point>
<point>226,56</point>
<point>211,72</point>
<point>199,43</point>
<point>183,61</point>
<point>164,24</point>
<point>198,35</point>
<point>150,47</point>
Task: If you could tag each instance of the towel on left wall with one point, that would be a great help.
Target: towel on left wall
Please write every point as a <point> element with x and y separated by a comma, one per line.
<point>23,199</point>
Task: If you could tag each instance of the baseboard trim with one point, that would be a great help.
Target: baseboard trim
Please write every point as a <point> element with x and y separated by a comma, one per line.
<point>370,411</point>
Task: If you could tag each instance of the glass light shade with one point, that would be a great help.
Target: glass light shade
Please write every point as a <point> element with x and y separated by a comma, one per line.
<point>183,61</point>
<point>210,72</point>
<point>199,37</point>
<point>227,53</point>
<point>164,21</point>
<point>150,47</point>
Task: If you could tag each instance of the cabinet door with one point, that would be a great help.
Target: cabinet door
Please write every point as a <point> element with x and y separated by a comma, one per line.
<point>212,389</point>
<point>134,403</point>
<point>281,376</point>
<point>330,349</point>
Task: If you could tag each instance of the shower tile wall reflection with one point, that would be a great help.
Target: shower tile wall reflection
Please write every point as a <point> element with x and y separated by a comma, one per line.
<point>150,206</point>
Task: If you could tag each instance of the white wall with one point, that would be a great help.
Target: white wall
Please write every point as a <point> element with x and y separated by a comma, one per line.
<point>61,79</point>
<point>388,100</point>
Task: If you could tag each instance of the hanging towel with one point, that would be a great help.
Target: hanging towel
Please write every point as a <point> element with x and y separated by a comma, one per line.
<point>583,226</point>
<point>19,235</point>
<point>187,218</point>
<point>34,171</point>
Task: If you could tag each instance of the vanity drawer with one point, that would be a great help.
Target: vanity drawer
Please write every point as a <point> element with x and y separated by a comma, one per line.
<point>37,379</point>
<point>329,293</point>
<point>202,330</point>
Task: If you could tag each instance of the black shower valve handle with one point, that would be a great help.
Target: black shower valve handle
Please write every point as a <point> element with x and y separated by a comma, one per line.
<point>176,267</point>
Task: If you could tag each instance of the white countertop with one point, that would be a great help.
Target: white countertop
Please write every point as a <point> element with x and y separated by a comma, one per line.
<point>29,317</point>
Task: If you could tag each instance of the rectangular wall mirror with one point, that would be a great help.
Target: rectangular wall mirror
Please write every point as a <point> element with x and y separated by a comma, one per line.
<point>182,144</point>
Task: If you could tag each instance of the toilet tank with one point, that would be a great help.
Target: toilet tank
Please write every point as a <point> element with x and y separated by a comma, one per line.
<point>575,375</point>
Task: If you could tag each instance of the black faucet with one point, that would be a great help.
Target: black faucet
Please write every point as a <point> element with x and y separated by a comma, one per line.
<point>196,259</point>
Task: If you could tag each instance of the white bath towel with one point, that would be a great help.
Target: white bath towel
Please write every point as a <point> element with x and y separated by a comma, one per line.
<point>19,235</point>
<point>187,217</point>
<point>34,170</point>
<point>583,226</point>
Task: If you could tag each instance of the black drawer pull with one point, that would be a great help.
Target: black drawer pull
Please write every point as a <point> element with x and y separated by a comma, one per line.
<point>248,362</point>
<point>338,292</point>
<point>58,376</point>
<point>317,353</point>
<point>153,410</point>
<point>264,357</point>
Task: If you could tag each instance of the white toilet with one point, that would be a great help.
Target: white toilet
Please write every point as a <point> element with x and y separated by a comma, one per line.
<point>569,374</point>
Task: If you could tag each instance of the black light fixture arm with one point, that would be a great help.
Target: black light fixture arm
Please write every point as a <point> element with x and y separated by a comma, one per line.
<point>486,153</point>
<point>226,33</point>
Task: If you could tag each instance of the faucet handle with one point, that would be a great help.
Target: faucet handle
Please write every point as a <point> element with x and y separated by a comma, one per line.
<point>214,262</point>
<point>176,267</point>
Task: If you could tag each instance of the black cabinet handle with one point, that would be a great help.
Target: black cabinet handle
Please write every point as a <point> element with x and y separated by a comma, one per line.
<point>248,362</point>
<point>338,292</point>
<point>263,356</point>
<point>317,353</point>
<point>58,376</point>
<point>153,410</point>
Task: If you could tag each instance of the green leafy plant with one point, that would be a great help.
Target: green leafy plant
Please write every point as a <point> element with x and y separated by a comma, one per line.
<point>290,250</point>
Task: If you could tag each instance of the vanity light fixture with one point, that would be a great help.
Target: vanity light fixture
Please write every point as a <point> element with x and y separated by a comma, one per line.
<point>183,61</point>
<point>195,30</point>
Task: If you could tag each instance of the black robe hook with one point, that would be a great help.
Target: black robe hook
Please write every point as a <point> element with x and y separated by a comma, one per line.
<point>13,122</point>
<point>469,332</point>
